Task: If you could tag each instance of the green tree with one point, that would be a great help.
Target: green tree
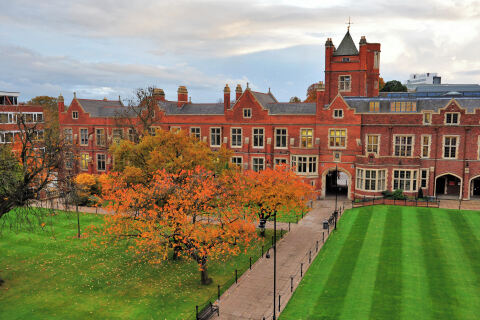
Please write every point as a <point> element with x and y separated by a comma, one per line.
<point>394,86</point>
<point>295,100</point>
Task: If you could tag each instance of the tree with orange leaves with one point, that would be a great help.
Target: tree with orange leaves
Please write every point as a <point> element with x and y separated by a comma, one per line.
<point>273,191</point>
<point>192,214</point>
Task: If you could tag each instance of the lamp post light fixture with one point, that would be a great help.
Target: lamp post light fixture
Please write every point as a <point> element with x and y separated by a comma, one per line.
<point>325,225</point>
<point>335,216</point>
<point>261,226</point>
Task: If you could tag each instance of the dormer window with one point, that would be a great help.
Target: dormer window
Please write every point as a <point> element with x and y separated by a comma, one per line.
<point>247,113</point>
<point>427,118</point>
<point>374,106</point>
<point>345,59</point>
<point>344,83</point>
<point>75,115</point>
<point>338,113</point>
<point>451,118</point>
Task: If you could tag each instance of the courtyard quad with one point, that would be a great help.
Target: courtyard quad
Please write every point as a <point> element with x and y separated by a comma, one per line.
<point>50,274</point>
<point>395,262</point>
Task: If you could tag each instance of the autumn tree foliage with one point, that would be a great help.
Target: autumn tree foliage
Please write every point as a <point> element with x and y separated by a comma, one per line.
<point>191,214</point>
<point>312,93</point>
<point>275,191</point>
<point>169,151</point>
<point>28,166</point>
<point>87,189</point>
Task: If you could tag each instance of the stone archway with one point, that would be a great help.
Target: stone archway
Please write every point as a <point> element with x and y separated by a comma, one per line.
<point>474,188</point>
<point>448,185</point>
<point>347,175</point>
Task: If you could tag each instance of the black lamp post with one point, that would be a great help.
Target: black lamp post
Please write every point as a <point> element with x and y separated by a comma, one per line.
<point>274,262</point>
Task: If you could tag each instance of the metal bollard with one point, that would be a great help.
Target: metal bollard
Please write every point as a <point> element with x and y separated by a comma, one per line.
<point>316,246</point>
<point>279,296</point>
<point>250,263</point>
<point>301,269</point>
<point>288,226</point>
<point>310,256</point>
<point>291,284</point>
<point>218,292</point>
<point>323,236</point>
<point>262,251</point>
<point>236,278</point>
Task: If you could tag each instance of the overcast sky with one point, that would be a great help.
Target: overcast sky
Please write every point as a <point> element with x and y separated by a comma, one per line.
<point>107,48</point>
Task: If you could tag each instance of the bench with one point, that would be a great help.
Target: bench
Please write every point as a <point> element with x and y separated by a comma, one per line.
<point>208,311</point>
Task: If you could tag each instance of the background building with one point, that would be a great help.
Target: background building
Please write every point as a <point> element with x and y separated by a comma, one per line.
<point>422,78</point>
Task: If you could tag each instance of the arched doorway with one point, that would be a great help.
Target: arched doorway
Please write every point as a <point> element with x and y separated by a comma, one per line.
<point>448,186</point>
<point>336,181</point>
<point>475,187</point>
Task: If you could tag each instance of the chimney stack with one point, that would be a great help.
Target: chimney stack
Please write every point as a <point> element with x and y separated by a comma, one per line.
<point>158,94</point>
<point>238,92</point>
<point>363,40</point>
<point>226,98</point>
<point>182,96</point>
<point>320,90</point>
<point>61,104</point>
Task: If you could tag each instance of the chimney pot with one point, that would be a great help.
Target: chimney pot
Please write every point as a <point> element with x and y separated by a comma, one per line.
<point>182,96</point>
<point>238,91</point>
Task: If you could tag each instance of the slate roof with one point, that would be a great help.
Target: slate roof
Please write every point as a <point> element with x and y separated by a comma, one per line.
<point>171,108</point>
<point>347,47</point>
<point>291,108</point>
<point>361,104</point>
<point>102,108</point>
<point>448,88</point>
<point>264,98</point>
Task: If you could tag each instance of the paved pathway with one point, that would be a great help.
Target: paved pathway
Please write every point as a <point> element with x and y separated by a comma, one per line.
<point>252,297</point>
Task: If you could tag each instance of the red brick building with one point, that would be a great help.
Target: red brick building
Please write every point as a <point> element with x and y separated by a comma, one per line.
<point>376,143</point>
<point>11,110</point>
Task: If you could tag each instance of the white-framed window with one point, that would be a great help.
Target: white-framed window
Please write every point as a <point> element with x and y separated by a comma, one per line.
<point>247,113</point>
<point>101,162</point>
<point>402,145</point>
<point>237,160</point>
<point>427,118</point>
<point>117,135</point>
<point>69,160</point>
<point>376,59</point>
<point>131,135</point>
<point>371,180</point>
<point>258,137</point>
<point>8,136</point>
<point>215,137</point>
<point>426,146</point>
<point>373,143</point>
<point>478,147</point>
<point>258,164</point>
<point>304,164</point>
<point>236,137</point>
<point>374,106</point>
<point>452,118</point>
<point>152,131</point>
<point>281,135</point>
<point>306,138</point>
<point>450,147</point>
<point>424,178</point>
<point>195,132</point>
<point>405,180</point>
<point>344,83</point>
<point>100,137</point>
<point>280,161</point>
<point>337,138</point>
<point>338,113</point>
<point>68,135</point>
<point>84,137</point>
<point>75,115</point>
<point>84,159</point>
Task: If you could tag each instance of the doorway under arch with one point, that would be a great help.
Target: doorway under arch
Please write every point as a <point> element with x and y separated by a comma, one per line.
<point>448,186</point>
<point>475,187</point>
<point>336,180</point>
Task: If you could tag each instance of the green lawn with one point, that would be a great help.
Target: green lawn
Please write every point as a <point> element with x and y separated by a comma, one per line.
<point>56,276</point>
<point>387,262</point>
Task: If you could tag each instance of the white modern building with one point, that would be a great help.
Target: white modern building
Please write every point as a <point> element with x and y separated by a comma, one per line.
<point>422,78</point>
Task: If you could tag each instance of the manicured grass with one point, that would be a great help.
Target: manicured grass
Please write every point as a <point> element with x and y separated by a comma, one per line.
<point>50,274</point>
<point>394,262</point>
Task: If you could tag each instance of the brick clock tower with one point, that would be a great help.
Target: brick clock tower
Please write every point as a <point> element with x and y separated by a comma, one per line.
<point>349,71</point>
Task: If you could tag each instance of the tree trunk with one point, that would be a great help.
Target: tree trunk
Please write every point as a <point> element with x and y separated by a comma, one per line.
<point>176,252</point>
<point>204,273</point>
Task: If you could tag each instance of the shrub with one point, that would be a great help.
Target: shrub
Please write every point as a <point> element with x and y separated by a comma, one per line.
<point>398,194</point>
<point>420,193</point>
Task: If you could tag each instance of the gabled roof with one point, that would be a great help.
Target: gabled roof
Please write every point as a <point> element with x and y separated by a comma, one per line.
<point>347,47</point>
<point>102,108</point>
<point>264,98</point>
